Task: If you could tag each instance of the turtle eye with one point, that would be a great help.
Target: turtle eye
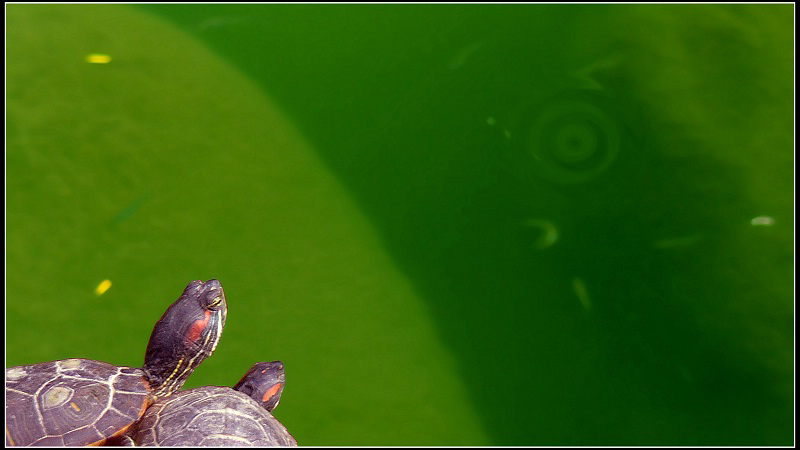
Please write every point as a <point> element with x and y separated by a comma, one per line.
<point>215,302</point>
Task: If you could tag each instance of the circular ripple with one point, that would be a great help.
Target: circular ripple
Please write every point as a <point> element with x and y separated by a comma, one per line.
<point>569,138</point>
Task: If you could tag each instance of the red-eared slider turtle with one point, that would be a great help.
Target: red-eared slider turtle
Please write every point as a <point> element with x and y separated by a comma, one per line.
<point>85,402</point>
<point>214,416</point>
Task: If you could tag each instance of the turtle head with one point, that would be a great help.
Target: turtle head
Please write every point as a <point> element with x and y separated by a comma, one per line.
<point>186,334</point>
<point>264,383</point>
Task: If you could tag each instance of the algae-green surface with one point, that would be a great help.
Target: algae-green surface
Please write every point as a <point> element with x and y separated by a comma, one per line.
<point>372,188</point>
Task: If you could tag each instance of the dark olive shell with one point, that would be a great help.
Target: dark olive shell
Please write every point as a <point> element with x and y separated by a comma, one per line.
<point>209,416</point>
<point>72,402</point>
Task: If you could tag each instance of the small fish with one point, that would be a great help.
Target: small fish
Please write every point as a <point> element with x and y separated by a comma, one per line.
<point>549,232</point>
<point>130,209</point>
<point>583,294</point>
<point>765,221</point>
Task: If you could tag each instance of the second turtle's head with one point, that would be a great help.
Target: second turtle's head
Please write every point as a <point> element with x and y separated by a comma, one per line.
<point>264,383</point>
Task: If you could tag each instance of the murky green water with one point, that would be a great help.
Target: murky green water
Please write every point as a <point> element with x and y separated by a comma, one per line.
<point>509,225</point>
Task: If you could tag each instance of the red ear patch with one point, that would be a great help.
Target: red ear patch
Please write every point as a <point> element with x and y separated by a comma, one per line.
<point>197,328</point>
<point>271,392</point>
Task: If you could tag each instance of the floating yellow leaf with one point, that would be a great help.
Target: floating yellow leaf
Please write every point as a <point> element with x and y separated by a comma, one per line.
<point>98,58</point>
<point>102,287</point>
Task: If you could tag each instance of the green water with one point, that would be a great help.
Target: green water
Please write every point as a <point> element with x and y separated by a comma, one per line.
<point>473,224</point>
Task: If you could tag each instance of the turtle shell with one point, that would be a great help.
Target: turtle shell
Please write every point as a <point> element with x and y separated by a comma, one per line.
<point>209,416</point>
<point>72,402</point>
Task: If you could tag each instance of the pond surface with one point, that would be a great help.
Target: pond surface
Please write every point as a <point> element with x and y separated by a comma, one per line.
<point>455,225</point>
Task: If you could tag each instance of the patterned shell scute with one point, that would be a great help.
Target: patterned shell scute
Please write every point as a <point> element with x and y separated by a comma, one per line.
<point>71,402</point>
<point>210,416</point>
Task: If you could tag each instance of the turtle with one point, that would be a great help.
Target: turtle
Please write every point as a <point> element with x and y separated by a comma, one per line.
<point>217,416</point>
<point>86,402</point>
